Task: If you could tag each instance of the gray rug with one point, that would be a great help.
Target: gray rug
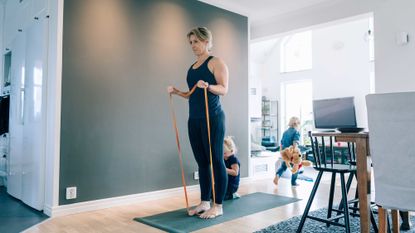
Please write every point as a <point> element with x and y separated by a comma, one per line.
<point>178,221</point>
<point>312,226</point>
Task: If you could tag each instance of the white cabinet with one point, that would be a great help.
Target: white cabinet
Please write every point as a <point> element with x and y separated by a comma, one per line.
<point>20,14</point>
<point>18,55</point>
<point>263,165</point>
<point>34,125</point>
<point>39,8</point>
<point>28,115</point>
<point>26,37</point>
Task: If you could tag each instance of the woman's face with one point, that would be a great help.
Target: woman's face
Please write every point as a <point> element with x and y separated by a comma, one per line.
<point>198,46</point>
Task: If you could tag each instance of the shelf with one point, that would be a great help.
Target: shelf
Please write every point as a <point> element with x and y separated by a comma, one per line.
<point>253,119</point>
<point>269,117</point>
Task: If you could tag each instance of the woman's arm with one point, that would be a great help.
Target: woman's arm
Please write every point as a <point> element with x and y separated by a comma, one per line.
<point>234,171</point>
<point>220,71</point>
<point>172,90</point>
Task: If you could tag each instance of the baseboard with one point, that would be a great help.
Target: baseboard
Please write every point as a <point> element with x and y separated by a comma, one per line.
<point>47,209</point>
<point>114,201</point>
<point>122,200</point>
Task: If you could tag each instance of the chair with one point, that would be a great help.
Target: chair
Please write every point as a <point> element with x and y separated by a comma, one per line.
<point>391,121</point>
<point>270,143</point>
<point>324,162</point>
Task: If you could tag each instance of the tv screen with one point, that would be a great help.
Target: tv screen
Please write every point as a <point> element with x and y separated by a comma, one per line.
<point>334,113</point>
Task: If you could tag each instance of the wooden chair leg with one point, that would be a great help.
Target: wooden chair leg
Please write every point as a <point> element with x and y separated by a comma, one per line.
<point>395,221</point>
<point>382,215</point>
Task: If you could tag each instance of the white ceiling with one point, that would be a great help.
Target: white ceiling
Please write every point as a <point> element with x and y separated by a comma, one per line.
<point>260,10</point>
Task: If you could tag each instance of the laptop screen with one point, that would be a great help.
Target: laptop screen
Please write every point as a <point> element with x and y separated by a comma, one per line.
<point>334,113</point>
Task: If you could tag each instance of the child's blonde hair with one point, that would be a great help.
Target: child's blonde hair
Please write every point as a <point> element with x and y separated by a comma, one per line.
<point>294,122</point>
<point>229,145</point>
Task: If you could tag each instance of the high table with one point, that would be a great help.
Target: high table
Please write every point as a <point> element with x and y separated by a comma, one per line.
<point>363,171</point>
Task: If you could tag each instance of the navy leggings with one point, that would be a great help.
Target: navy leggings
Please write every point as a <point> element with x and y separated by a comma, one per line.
<point>198,136</point>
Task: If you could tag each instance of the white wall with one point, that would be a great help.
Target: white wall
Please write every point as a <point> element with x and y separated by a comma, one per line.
<point>395,65</point>
<point>330,11</point>
<point>341,66</point>
<point>53,106</point>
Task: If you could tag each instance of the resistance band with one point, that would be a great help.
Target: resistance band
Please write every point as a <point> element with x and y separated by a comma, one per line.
<point>187,94</point>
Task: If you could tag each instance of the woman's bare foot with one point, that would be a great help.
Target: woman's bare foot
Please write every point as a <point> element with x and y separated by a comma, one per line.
<point>202,207</point>
<point>213,212</point>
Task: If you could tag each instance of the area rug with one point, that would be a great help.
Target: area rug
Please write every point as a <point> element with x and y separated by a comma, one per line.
<point>312,226</point>
<point>178,221</point>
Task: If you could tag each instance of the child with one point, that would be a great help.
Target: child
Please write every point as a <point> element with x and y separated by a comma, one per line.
<point>232,168</point>
<point>291,137</point>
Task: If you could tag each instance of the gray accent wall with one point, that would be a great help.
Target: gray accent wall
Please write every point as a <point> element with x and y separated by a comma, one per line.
<point>118,58</point>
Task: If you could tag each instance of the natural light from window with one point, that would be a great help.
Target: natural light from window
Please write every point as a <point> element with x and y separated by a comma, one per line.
<point>296,52</point>
<point>297,101</point>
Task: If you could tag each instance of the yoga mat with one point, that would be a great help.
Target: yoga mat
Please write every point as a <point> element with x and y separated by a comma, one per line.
<point>179,221</point>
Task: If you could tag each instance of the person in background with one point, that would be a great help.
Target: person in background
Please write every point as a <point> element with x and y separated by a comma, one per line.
<point>291,137</point>
<point>232,168</point>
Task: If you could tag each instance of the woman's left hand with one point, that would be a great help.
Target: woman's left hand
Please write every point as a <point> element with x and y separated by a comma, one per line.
<point>202,84</point>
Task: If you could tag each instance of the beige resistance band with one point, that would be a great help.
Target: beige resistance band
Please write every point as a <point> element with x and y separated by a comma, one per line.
<point>187,94</point>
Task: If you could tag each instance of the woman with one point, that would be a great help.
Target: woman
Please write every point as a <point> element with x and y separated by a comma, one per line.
<point>211,73</point>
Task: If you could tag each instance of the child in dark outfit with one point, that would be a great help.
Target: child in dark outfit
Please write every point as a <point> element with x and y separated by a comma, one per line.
<point>232,168</point>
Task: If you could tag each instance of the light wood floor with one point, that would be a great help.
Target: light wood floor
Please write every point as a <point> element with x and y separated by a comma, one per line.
<point>120,219</point>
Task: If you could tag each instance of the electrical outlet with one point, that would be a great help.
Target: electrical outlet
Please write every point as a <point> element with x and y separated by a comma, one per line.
<point>70,193</point>
<point>196,175</point>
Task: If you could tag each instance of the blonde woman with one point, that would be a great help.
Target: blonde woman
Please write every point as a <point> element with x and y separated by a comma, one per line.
<point>291,137</point>
<point>232,168</point>
<point>211,73</point>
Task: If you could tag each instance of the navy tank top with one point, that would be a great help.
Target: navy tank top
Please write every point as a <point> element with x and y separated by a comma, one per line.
<point>197,99</point>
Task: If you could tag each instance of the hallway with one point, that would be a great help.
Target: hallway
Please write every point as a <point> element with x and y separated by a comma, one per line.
<point>15,216</point>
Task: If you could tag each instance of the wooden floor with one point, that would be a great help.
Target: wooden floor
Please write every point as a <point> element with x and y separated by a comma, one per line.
<point>120,219</point>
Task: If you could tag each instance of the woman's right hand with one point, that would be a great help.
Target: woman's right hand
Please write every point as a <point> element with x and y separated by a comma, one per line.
<point>170,90</point>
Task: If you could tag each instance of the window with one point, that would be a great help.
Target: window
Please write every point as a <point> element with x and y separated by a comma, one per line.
<point>297,101</point>
<point>296,52</point>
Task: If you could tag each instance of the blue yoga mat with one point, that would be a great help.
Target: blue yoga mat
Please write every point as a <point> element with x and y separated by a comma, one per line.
<point>179,221</point>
